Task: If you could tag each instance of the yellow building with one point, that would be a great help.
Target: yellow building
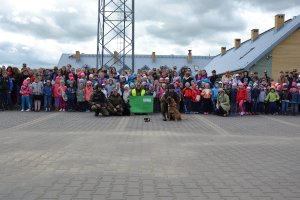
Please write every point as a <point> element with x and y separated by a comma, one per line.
<point>277,49</point>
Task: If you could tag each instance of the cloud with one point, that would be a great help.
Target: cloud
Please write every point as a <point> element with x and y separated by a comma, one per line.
<point>270,5</point>
<point>61,22</point>
<point>39,34</point>
<point>182,22</point>
<point>16,54</point>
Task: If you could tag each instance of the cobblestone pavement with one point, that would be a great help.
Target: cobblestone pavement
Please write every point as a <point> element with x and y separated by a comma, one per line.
<point>79,156</point>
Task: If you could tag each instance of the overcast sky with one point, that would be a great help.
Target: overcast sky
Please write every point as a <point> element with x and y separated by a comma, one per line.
<point>38,32</point>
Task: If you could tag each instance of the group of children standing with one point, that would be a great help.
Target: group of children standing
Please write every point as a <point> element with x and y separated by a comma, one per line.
<point>245,99</point>
<point>67,95</point>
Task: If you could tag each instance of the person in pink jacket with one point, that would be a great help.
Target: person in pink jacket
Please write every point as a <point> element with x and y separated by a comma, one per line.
<point>62,96</point>
<point>55,92</point>
<point>25,92</point>
<point>88,92</point>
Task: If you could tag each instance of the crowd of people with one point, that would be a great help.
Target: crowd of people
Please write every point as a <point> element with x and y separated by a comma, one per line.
<point>108,91</point>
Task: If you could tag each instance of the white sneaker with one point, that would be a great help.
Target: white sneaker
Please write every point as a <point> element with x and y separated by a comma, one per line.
<point>22,110</point>
<point>242,113</point>
<point>27,110</point>
<point>60,110</point>
<point>63,110</point>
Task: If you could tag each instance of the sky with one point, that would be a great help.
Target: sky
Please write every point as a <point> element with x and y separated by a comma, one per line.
<point>38,32</point>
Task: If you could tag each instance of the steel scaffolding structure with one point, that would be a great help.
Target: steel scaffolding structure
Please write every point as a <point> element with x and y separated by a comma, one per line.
<point>115,33</point>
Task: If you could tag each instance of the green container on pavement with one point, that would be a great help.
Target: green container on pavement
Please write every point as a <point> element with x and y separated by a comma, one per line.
<point>141,104</point>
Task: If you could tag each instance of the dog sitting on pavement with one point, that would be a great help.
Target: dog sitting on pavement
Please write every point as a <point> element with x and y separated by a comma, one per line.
<point>173,114</point>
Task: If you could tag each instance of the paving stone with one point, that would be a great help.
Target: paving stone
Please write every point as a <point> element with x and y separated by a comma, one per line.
<point>79,156</point>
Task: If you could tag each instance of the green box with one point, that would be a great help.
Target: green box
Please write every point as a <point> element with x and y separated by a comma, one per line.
<point>141,104</point>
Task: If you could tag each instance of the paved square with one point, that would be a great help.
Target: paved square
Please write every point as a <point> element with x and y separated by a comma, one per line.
<point>79,156</point>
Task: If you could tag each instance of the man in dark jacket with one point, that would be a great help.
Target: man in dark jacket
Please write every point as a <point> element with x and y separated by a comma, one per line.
<point>163,102</point>
<point>6,87</point>
<point>98,102</point>
<point>214,77</point>
<point>115,103</point>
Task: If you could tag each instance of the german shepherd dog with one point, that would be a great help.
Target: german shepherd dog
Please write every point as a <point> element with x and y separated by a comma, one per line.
<point>173,113</point>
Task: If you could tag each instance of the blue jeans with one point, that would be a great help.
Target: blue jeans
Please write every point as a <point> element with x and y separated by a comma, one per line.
<point>214,102</point>
<point>18,95</point>
<point>273,107</point>
<point>254,106</point>
<point>294,108</point>
<point>56,102</point>
<point>47,102</point>
<point>26,99</point>
<point>187,105</point>
<point>261,107</point>
<point>284,106</point>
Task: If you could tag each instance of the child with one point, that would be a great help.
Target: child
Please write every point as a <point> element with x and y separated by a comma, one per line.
<point>71,93</point>
<point>241,98</point>
<point>272,98</point>
<point>248,103</point>
<point>37,91</point>
<point>285,99</point>
<point>125,97</point>
<point>62,96</point>
<point>261,99</point>
<point>196,97</point>
<point>232,96</point>
<point>80,94</point>
<point>294,98</point>
<point>187,98</point>
<point>25,91</point>
<point>47,91</point>
<point>214,97</point>
<point>55,92</point>
<point>88,92</point>
<point>206,94</point>
<point>254,95</point>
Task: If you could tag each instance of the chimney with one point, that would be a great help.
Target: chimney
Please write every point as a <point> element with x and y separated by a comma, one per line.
<point>190,57</point>
<point>77,55</point>
<point>254,34</point>
<point>237,43</point>
<point>279,21</point>
<point>223,50</point>
<point>153,56</point>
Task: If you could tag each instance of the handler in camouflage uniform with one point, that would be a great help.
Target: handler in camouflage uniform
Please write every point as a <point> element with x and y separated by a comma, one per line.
<point>163,101</point>
<point>116,103</point>
<point>98,102</point>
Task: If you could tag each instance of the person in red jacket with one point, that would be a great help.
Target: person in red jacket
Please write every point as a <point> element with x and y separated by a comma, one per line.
<point>241,98</point>
<point>196,97</point>
<point>187,98</point>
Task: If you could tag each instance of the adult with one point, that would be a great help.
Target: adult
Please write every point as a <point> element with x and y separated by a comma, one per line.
<point>6,87</point>
<point>188,78</point>
<point>138,91</point>
<point>266,77</point>
<point>17,83</point>
<point>282,79</point>
<point>214,77</point>
<point>198,76</point>
<point>246,78</point>
<point>226,77</point>
<point>98,102</point>
<point>163,101</point>
<point>223,103</point>
<point>115,103</point>
<point>290,79</point>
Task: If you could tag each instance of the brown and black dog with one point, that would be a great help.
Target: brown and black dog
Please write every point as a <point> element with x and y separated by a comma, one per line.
<point>173,113</point>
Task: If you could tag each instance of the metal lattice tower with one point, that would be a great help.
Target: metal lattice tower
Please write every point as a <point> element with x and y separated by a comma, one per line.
<point>115,33</point>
